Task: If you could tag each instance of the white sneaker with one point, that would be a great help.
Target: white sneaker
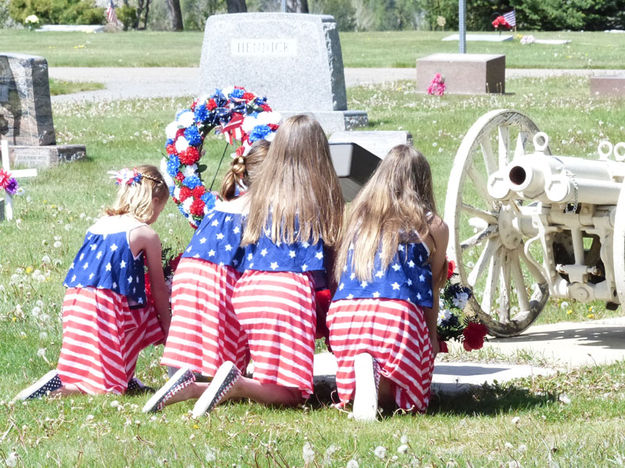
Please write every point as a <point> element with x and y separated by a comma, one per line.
<point>366,397</point>
<point>225,377</point>
<point>181,379</point>
<point>42,387</point>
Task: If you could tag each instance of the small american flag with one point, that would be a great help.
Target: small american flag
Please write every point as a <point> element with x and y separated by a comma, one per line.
<point>111,16</point>
<point>510,18</point>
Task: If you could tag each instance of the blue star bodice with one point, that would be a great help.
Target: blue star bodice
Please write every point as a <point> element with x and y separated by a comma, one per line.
<point>105,260</point>
<point>408,277</point>
<point>217,239</point>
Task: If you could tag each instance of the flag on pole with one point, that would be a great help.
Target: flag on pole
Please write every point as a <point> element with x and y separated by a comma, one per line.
<point>111,16</point>
<point>510,17</point>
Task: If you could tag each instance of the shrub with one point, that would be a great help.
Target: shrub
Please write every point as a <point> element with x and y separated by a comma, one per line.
<point>57,11</point>
<point>128,16</point>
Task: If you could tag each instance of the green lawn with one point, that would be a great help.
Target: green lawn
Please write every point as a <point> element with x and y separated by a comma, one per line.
<point>67,87</point>
<point>572,419</point>
<point>371,49</point>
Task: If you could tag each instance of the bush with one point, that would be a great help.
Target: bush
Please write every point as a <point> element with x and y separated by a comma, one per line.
<point>128,16</point>
<point>57,11</point>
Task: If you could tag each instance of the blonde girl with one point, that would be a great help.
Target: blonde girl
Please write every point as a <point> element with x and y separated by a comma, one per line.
<point>390,265</point>
<point>295,216</point>
<point>107,320</point>
<point>205,332</point>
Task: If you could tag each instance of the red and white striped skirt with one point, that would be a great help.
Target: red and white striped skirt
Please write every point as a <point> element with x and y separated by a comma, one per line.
<point>277,311</point>
<point>204,331</point>
<point>394,332</point>
<point>102,339</point>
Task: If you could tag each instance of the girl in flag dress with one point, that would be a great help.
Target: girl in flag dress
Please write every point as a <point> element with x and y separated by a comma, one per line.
<point>107,320</point>
<point>390,265</point>
<point>295,216</point>
<point>204,331</point>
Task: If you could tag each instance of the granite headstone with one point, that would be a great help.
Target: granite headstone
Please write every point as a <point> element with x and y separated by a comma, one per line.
<point>293,59</point>
<point>26,113</point>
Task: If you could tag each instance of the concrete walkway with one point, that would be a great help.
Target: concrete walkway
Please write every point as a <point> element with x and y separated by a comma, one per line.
<point>128,83</point>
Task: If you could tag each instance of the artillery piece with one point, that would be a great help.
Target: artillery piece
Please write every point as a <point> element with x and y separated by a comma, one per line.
<point>525,224</point>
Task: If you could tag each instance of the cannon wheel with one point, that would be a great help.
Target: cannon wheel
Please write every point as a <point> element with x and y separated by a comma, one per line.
<point>509,289</point>
<point>618,249</point>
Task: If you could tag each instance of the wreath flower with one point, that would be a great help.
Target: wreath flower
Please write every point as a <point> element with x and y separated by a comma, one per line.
<point>8,183</point>
<point>239,116</point>
<point>453,323</point>
<point>437,85</point>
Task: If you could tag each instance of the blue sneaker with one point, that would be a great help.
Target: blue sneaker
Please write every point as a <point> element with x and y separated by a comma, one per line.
<point>42,387</point>
<point>136,387</point>
<point>181,379</point>
<point>224,379</point>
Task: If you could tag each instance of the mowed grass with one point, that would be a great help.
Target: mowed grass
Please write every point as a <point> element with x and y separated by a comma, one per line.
<point>571,419</point>
<point>68,87</point>
<point>360,49</point>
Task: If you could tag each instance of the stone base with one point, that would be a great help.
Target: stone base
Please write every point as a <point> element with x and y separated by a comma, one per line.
<point>45,156</point>
<point>609,86</point>
<point>353,165</point>
<point>334,121</point>
<point>376,142</point>
<point>464,73</point>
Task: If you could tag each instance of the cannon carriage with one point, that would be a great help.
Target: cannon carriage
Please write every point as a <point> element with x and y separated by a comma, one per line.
<point>526,225</point>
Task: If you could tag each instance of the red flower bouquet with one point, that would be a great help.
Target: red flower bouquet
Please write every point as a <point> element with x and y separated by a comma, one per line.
<point>500,22</point>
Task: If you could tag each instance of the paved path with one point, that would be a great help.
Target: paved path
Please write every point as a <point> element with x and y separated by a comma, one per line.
<point>128,83</point>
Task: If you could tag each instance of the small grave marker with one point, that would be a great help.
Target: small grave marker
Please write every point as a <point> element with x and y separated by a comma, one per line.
<point>7,205</point>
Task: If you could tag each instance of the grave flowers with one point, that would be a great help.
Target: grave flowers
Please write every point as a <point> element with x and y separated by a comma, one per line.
<point>8,183</point>
<point>437,86</point>
<point>453,323</point>
<point>500,23</point>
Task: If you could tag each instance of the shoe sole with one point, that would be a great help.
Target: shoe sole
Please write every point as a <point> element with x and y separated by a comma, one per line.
<point>152,404</point>
<point>211,396</point>
<point>366,395</point>
<point>27,392</point>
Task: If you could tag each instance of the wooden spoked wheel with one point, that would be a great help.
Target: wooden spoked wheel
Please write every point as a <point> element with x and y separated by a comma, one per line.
<point>486,239</point>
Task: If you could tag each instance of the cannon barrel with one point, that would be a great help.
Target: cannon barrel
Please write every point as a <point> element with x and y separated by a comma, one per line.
<point>559,179</point>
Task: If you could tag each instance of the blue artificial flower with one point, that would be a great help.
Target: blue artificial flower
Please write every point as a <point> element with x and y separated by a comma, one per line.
<point>173,164</point>
<point>259,133</point>
<point>201,113</point>
<point>239,107</point>
<point>181,208</point>
<point>209,200</point>
<point>192,182</point>
<point>192,134</point>
<point>172,189</point>
<point>169,142</point>
<point>219,98</point>
<point>237,94</point>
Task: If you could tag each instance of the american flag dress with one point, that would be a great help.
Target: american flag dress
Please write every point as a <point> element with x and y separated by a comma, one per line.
<point>384,317</point>
<point>106,322</point>
<point>274,301</point>
<point>204,331</point>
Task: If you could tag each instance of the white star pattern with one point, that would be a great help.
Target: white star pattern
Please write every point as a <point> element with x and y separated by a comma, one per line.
<point>376,294</point>
<point>418,296</point>
<point>114,285</point>
<point>345,268</point>
<point>263,252</point>
<point>409,282</point>
<point>215,223</point>
<point>228,248</point>
<point>93,246</point>
<point>122,264</point>
<point>395,286</point>
<point>82,255</point>
<point>85,266</point>
<point>108,266</point>
<point>304,267</point>
<point>236,230</point>
<point>274,265</point>
<point>364,284</point>
<point>411,264</point>
<point>380,274</point>
<point>292,253</point>
<point>352,276</point>
<point>400,248</point>
<point>91,275</point>
<point>421,278</point>
<point>319,255</point>
<point>396,267</point>
<point>203,240</point>
<point>130,280</point>
<point>113,247</point>
<point>71,267</point>
<point>99,255</point>
<point>228,218</point>
<point>305,245</point>
<point>250,256</point>
<point>220,236</point>
<point>211,253</point>
<point>189,249</point>
<point>350,296</point>
<point>73,278</point>
<point>341,286</point>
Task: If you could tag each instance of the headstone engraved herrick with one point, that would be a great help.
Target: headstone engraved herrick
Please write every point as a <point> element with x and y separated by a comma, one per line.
<point>26,113</point>
<point>293,59</point>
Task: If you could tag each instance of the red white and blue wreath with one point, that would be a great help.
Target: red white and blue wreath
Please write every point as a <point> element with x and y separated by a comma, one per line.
<point>240,116</point>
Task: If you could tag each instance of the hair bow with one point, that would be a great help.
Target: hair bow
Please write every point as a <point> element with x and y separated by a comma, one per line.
<point>126,176</point>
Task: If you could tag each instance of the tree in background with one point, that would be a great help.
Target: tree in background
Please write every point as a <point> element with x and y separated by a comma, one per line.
<point>236,6</point>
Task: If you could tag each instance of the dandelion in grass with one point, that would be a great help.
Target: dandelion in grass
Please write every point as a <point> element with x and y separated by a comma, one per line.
<point>211,455</point>
<point>308,454</point>
<point>11,459</point>
<point>380,452</point>
<point>352,464</point>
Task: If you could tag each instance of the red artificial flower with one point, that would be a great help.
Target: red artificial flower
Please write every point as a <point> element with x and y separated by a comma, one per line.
<point>171,149</point>
<point>198,191</point>
<point>189,156</point>
<point>179,177</point>
<point>451,267</point>
<point>173,264</point>
<point>148,289</point>
<point>197,207</point>
<point>194,105</point>
<point>266,108</point>
<point>501,21</point>
<point>240,150</point>
<point>179,133</point>
<point>442,347</point>
<point>273,127</point>
<point>249,97</point>
<point>474,335</point>
<point>185,192</point>
<point>211,104</point>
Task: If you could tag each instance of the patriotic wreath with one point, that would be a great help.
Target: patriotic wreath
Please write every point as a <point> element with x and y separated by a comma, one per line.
<point>240,116</point>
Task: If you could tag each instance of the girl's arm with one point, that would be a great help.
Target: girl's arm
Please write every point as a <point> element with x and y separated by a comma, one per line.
<point>145,239</point>
<point>437,242</point>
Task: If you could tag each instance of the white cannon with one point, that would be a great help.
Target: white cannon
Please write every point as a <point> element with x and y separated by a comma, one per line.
<point>525,224</point>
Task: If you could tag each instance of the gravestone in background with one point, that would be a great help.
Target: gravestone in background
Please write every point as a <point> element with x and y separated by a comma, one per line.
<point>293,59</point>
<point>26,113</point>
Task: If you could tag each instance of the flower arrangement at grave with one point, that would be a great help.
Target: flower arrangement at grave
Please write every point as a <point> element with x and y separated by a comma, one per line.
<point>437,85</point>
<point>500,23</point>
<point>31,21</point>
<point>527,39</point>
<point>8,183</point>
<point>239,116</point>
<point>453,323</point>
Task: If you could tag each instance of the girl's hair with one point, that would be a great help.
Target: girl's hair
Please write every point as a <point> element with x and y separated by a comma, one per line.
<point>137,199</point>
<point>296,194</point>
<point>243,169</point>
<point>397,201</point>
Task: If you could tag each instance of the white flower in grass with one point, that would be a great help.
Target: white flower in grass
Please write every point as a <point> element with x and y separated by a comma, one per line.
<point>404,439</point>
<point>114,404</point>
<point>308,454</point>
<point>564,399</point>
<point>211,455</point>
<point>39,303</point>
<point>46,259</point>
<point>508,445</point>
<point>380,452</point>
<point>41,352</point>
<point>515,420</point>
<point>185,119</point>
<point>89,417</point>
<point>403,448</point>
<point>43,336</point>
<point>352,464</point>
<point>35,311</point>
<point>330,451</point>
<point>11,459</point>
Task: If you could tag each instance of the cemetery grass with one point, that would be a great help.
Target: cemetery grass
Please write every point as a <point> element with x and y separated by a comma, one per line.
<point>569,419</point>
<point>58,87</point>
<point>362,49</point>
